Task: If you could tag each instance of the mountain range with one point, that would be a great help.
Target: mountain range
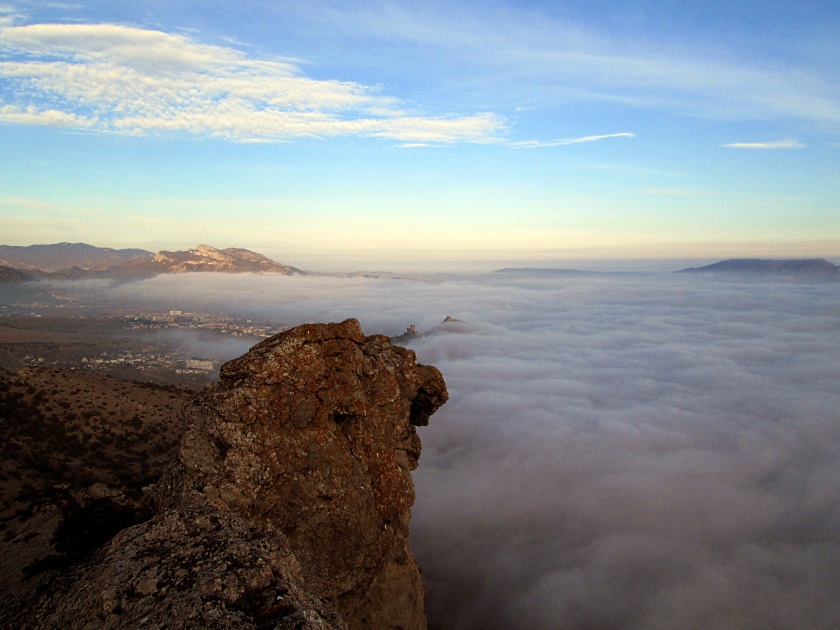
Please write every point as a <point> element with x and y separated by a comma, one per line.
<point>60,256</point>
<point>78,260</point>
<point>811,268</point>
<point>71,261</point>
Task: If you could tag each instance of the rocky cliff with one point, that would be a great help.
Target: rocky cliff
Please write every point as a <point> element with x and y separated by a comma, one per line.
<point>288,505</point>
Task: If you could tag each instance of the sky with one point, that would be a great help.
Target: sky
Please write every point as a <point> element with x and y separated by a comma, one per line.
<point>434,135</point>
<point>619,451</point>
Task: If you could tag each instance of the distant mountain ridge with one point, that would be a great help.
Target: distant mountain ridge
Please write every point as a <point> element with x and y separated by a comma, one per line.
<point>60,256</point>
<point>10,275</point>
<point>551,271</point>
<point>814,268</point>
<point>203,258</point>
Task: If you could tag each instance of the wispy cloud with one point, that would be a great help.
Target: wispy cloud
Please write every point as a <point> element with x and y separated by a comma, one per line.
<point>780,144</point>
<point>564,61</point>
<point>8,15</point>
<point>112,78</point>
<point>536,144</point>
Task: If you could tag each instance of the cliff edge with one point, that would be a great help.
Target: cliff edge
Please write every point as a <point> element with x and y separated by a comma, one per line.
<point>288,505</point>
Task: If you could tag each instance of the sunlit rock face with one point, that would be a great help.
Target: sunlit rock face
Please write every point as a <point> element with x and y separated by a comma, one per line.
<point>290,502</point>
<point>207,258</point>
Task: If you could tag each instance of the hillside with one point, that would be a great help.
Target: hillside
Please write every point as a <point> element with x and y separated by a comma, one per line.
<point>11,275</point>
<point>60,256</point>
<point>77,449</point>
<point>82,428</point>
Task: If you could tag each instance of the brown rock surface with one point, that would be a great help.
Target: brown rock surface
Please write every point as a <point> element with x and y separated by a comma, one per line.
<point>289,504</point>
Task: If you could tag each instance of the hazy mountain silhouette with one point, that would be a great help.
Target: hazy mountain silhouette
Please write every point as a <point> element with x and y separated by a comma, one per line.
<point>817,268</point>
<point>65,255</point>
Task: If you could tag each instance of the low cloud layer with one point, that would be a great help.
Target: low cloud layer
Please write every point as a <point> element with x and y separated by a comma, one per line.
<point>618,451</point>
<point>632,455</point>
<point>206,344</point>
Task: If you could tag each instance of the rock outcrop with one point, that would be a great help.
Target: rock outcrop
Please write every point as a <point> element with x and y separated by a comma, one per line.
<point>288,506</point>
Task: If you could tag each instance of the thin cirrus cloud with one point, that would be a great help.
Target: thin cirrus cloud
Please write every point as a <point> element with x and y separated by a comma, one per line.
<point>536,144</point>
<point>780,144</point>
<point>565,60</point>
<point>112,78</point>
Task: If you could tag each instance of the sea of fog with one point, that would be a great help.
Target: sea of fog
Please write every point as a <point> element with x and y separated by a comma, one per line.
<point>619,451</point>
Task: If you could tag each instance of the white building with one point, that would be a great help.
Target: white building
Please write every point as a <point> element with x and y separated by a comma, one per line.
<point>200,364</point>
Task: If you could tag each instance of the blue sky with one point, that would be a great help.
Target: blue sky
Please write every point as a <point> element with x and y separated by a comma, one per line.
<point>339,135</point>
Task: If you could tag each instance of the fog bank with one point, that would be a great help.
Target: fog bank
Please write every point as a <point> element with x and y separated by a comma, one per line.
<point>651,451</point>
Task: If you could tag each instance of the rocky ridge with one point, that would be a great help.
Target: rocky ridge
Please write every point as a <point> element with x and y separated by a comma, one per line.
<point>288,505</point>
<point>207,258</point>
<point>58,256</point>
<point>128,265</point>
